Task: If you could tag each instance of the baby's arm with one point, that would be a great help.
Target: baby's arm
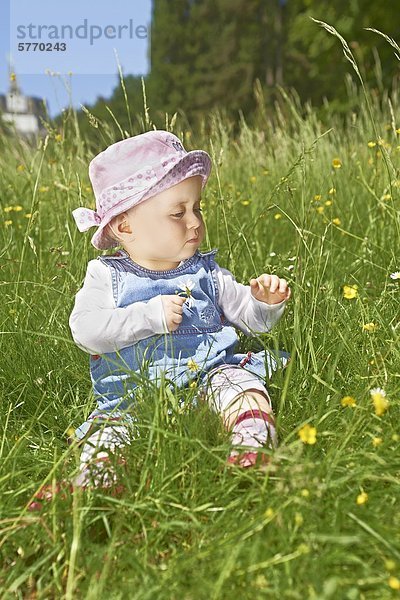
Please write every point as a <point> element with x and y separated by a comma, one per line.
<point>98,326</point>
<point>242,309</point>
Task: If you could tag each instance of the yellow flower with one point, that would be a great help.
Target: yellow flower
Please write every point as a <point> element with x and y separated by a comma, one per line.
<point>192,384</point>
<point>381,404</point>
<point>245,202</point>
<point>336,221</point>
<point>317,197</point>
<point>298,519</point>
<point>7,222</point>
<point>350,291</point>
<point>253,179</point>
<point>58,137</point>
<point>44,188</point>
<point>320,209</point>
<point>265,172</point>
<point>328,202</point>
<point>20,168</point>
<point>303,548</point>
<point>8,208</point>
<point>371,144</point>
<point>362,498</point>
<point>28,215</point>
<point>332,191</point>
<point>336,163</point>
<point>192,365</point>
<point>376,441</point>
<point>305,493</point>
<point>277,216</point>
<point>390,564</point>
<point>397,130</point>
<point>386,197</point>
<point>261,582</point>
<point>395,437</point>
<point>12,77</point>
<point>308,434</point>
<point>269,513</point>
<point>394,583</point>
<point>18,208</point>
<point>348,401</point>
<point>370,326</point>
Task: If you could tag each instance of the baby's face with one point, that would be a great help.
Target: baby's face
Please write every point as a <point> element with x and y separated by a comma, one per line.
<point>163,225</point>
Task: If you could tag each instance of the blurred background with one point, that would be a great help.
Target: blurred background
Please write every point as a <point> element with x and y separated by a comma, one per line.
<point>206,55</point>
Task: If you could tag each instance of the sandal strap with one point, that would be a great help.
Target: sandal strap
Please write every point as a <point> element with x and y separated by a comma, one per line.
<point>255,414</point>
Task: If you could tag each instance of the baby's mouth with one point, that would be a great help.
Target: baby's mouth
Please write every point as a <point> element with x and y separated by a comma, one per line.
<point>194,239</point>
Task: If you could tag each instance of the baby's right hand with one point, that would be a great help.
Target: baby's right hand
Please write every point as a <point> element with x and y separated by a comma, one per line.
<point>173,309</point>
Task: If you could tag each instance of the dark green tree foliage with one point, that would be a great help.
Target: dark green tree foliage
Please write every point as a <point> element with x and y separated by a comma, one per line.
<point>169,66</point>
<point>314,61</point>
<point>208,54</point>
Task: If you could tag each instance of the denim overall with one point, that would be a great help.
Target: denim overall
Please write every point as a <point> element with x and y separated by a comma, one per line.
<point>204,336</point>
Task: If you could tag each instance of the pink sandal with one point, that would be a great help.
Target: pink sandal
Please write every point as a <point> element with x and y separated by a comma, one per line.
<point>251,458</point>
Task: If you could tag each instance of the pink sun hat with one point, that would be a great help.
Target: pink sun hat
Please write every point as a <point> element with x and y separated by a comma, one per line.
<point>133,170</point>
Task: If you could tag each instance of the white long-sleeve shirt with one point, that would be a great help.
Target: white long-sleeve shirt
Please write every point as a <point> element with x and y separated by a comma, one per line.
<point>98,326</point>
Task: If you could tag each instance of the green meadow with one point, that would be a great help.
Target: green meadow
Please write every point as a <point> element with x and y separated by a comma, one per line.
<point>314,200</point>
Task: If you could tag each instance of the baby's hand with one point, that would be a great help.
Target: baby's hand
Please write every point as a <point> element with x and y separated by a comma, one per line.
<point>173,309</point>
<point>270,289</point>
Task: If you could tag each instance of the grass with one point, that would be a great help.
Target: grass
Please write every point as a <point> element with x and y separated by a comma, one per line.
<point>188,527</point>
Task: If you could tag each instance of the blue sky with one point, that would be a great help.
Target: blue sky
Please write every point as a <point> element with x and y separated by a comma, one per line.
<point>98,57</point>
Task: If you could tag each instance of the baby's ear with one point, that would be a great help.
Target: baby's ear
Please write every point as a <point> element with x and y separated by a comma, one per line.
<point>109,231</point>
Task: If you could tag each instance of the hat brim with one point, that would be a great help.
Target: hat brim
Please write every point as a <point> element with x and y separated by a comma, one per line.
<point>196,162</point>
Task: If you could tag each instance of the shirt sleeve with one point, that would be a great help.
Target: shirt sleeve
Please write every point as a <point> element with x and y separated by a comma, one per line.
<point>241,308</point>
<point>98,326</point>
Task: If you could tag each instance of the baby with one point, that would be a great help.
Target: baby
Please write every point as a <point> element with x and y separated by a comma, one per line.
<point>160,307</point>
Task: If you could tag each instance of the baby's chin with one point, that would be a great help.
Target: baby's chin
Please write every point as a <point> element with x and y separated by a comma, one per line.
<point>190,249</point>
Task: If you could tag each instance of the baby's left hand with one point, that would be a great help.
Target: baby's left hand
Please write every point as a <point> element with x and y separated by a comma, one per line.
<point>270,289</point>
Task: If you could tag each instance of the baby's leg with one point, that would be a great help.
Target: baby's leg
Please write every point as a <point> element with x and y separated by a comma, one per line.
<point>95,461</point>
<point>250,399</point>
<point>244,405</point>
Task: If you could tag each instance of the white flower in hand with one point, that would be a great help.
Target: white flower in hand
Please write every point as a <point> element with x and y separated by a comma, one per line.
<point>187,289</point>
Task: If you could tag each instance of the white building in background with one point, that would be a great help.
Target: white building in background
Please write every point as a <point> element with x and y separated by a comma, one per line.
<point>22,112</point>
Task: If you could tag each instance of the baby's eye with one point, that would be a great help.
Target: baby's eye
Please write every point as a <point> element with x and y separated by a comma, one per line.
<point>181,213</point>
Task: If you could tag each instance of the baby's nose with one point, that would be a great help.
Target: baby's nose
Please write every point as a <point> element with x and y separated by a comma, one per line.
<point>194,221</point>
